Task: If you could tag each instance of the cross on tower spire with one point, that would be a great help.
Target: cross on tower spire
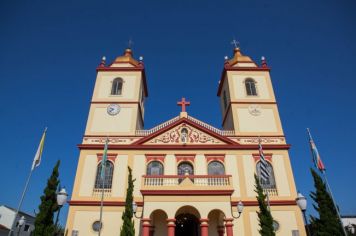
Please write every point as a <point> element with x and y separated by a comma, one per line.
<point>130,43</point>
<point>235,43</point>
<point>183,103</point>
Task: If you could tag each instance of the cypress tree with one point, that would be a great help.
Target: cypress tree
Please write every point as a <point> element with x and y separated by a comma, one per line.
<point>264,215</point>
<point>128,228</point>
<point>328,222</point>
<point>44,225</point>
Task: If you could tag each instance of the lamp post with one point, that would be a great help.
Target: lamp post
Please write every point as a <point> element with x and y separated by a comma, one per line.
<point>61,199</point>
<point>302,203</point>
<point>21,221</point>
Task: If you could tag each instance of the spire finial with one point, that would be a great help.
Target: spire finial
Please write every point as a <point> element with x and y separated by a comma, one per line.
<point>103,61</point>
<point>235,43</point>
<point>264,62</point>
<point>130,43</point>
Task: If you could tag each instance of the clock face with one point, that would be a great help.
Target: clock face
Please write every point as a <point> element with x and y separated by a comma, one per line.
<point>254,110</point>
<point>113,109</point>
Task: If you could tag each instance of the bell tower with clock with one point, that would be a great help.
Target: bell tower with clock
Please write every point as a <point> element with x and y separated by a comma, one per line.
<point>247,98</point>
<point>117,105</point>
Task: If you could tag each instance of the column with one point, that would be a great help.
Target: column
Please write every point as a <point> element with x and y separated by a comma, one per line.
<point>146,226</point>
<point>228,226</point>
<point>152,230</point>
<point>171,226</point>
<point>221,230</point>
<point>204,227</point>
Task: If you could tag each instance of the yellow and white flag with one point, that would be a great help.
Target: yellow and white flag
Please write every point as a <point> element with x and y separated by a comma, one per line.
<point>37,160</point>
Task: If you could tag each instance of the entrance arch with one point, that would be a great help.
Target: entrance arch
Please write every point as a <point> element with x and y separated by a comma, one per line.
<point>187,222</point>
<point>158,223</point>
<point>216,222</point>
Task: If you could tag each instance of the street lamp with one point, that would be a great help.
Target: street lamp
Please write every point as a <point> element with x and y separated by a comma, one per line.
<point>302,203</point>
<point>240,208</point>
<point>21,222</point>
<point>61,199</point>
<point>134,209</point>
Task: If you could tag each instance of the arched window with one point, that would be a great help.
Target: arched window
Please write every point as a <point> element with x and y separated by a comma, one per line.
<point>250,87</point>
<point>107,183</point>
<point>184,135</point>
<point>154,168</point>
<point>225,99</point>
<point>270,182</point>
<point>216,168</point>
<point>185,168</point>
<point>116,88</point>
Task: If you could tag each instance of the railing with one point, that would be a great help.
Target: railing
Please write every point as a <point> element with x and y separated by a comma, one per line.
<point>212,128</point>
<point>154,129</point>
<point>196,180</point>
<point>98,191</point>
<point>270,191</point>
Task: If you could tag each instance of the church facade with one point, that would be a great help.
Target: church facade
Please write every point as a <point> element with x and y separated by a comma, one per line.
<point>190,176</point>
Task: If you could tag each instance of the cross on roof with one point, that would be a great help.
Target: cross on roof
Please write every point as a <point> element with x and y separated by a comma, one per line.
<point>130,43</point>
<point>236,43</point>
<point>183,103</point>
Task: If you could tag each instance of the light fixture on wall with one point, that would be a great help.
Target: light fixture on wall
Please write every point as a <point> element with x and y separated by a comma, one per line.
<point>134,209</point>
<point>240,208</point>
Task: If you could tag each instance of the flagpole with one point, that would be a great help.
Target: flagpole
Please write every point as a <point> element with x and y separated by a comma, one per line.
<point>319,165</point>
<point>21,201</point>
<point>332,198</point>
<point>102,185</point>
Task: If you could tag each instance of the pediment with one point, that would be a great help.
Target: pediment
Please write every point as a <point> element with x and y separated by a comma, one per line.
<point>185,132</point>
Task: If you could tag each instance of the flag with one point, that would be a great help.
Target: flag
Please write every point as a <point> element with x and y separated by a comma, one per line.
<point>37,160</point>
<point>263,167</point>
<point>316,157</point>
<point>103,161</point>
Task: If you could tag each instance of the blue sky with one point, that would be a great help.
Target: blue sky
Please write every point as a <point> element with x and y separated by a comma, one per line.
<point>49,52</point>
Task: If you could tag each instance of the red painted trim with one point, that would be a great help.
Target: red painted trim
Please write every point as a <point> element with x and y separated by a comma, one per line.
<point>187,121</point>
<point>97,203</point>
<point>186,176</point>
<point>185,147</point>
<point>185,157</point>
<point>257,157</point>
<point>272,203</point>
<point>111,157</point>
<point>151,157</point>
<point>187,192</point>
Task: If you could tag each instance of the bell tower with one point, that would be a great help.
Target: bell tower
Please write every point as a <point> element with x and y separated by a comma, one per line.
<point>247,100</point>
<point>117,105</point>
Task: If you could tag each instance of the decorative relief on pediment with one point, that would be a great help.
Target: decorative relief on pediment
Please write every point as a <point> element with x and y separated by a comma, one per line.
<point>115,140</point>
<point>264,140</point>
<point>184,134</point>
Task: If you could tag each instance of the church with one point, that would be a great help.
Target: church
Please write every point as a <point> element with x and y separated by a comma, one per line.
<point>192,179</point>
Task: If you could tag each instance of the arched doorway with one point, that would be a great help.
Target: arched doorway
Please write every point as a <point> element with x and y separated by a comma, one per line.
<point>216,222</point>
<point>158,223</point>
<point>187,222</point>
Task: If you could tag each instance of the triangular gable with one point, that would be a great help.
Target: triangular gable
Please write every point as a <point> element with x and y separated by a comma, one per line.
<point>196,135</point>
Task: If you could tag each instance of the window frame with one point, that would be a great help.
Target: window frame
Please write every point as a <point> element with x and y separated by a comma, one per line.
<point>272,180</point>
<point>151,163</point>
<point>108,181</point>
<point>222,165</point>
<point>248,82</point>
<point>115,91</point>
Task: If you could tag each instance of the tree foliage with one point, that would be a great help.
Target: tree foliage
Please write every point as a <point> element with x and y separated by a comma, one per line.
<point>44,225</point>
<point>264,215</point>
<point>328,222</point>
<point>128,228</point>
